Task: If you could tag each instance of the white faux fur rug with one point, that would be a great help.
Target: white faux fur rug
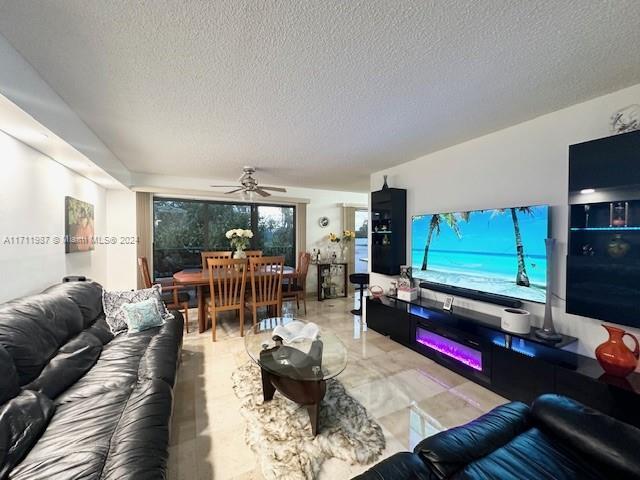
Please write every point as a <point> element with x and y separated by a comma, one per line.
<point>280,434</point>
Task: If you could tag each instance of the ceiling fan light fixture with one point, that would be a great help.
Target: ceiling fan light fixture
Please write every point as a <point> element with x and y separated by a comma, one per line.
<point>249,185</point>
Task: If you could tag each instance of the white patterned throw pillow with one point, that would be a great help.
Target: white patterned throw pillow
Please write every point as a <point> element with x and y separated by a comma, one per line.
<point>112,305</point>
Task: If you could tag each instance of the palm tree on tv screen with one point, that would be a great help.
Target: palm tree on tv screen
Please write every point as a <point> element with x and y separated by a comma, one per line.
<point>434,226</point>
<point>522,279</point>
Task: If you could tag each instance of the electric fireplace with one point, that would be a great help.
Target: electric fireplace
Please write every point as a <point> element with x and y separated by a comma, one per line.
<point>462,354</point>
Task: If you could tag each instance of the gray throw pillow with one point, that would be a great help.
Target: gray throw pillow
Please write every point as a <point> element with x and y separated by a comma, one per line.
<point>142,315</point>
<point>112,305</point>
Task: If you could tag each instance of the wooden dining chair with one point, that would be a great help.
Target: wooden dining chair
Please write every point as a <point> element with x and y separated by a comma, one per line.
<point>227,281</point>
<point>217,254</point>
<point>172,296</point>
<point>253,253</point>
<point>295,288</point>
<point>266,285</point>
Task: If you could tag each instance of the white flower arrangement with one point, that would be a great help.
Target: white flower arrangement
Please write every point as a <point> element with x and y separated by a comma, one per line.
<point>239,238</point>
<point>239,233</point>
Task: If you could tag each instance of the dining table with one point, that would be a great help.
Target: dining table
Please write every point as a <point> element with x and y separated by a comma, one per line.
<point>198,278</point>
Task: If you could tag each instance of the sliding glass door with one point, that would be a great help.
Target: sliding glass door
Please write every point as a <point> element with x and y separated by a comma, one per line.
<point>361,250</point>
<point>184,228</point>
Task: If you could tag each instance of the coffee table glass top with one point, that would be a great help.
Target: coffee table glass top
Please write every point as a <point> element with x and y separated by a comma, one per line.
<point>305,360</point>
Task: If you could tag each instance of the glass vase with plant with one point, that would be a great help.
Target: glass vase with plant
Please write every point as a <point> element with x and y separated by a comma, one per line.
<point>342,242</point>
<point>239,239</point>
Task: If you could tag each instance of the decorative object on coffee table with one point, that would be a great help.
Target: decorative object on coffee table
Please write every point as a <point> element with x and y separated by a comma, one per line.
<point>298,371</point>
<point>278,430</point>
<point>548,331</point>
<point>614,356</point>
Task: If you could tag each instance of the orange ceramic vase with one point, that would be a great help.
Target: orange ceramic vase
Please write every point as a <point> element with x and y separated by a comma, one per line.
<point>614,356</point>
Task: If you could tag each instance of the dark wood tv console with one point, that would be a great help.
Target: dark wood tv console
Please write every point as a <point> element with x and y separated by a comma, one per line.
<point>518,367</point>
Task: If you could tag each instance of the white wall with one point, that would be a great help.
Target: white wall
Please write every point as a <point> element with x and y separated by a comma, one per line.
<point>32,191</point>
<point>122,264</point>
<point>326,203</point>
<point>521,165</point>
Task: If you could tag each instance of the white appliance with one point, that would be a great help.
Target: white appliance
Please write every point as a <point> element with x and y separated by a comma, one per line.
<point>515,320</point>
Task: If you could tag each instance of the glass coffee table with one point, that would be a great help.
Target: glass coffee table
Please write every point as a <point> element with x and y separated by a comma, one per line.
<point>298,370</point>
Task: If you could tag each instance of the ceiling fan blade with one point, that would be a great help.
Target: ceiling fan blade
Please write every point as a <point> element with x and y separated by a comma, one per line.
<point>234,191</point>
<point>261,192</point>
<point>274,189</point>
<point>223,186</point>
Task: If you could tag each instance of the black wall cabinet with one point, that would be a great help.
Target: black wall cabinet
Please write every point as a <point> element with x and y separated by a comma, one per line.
<point>388,230</point>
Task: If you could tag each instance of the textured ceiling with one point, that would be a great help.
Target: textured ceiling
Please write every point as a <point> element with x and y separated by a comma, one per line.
<point>316,94</point>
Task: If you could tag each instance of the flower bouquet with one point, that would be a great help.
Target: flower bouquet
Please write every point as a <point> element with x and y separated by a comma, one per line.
<point>239,239</point>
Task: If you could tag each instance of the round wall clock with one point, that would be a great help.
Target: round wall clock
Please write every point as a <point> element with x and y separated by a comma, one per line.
<point>323,222</point>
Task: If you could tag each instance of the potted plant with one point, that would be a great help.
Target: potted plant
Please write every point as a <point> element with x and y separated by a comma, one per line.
<point>342,241</point>
<point>239,239</point>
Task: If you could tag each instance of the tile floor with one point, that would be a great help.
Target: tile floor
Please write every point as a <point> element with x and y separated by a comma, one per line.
<point>409,395</point>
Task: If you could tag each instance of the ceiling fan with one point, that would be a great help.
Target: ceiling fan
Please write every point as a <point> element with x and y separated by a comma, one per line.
<point>249,185</point>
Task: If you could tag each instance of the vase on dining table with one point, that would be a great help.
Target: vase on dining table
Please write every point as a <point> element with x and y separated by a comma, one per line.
<point>239,253</point>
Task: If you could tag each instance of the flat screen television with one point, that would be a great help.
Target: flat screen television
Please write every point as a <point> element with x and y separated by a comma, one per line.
<point>495,251</point>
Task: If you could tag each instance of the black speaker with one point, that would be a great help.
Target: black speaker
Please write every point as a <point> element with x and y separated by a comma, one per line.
<point>473,294</point>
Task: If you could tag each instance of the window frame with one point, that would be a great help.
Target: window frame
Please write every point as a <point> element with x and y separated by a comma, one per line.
<point>254,217</point>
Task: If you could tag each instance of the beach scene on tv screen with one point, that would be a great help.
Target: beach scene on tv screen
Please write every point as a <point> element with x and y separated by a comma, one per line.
<point>499,251</point>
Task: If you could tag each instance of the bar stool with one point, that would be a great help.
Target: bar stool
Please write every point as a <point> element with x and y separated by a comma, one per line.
<point>361,279</point>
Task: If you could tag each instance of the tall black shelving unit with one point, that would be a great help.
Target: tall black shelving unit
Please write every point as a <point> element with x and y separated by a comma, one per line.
<point>388,230</point>
<point>603,257</point>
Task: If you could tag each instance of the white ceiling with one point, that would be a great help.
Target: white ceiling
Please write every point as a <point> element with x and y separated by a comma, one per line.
<point>22,126</point>
<point>316,94</point>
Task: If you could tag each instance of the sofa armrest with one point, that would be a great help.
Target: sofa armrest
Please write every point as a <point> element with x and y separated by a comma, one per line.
<point>447,452</point>
<point>401,466</point>
<point>613,444</point>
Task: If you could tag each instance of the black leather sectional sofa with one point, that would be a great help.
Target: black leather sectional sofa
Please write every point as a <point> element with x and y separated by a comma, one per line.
<point>75,402</point>
<point>555,438</point>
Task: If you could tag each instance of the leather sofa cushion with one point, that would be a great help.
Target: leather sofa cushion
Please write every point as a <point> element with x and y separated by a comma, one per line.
<point>74,359</point>
<point>117,367</point>
<point>101,329</point>
<point>449,451</point>
<point>86,295</point>
<point>163,352</point>
<point>9,387</point>
<point>120,434</point>
<point>33,328</point>
<point>401,466</point>
<point>531,455</point>
<point>150,354</point>
<point>22,421</point>
<point>612,444</point>
<point>139,445</point>
<point>77,440</point>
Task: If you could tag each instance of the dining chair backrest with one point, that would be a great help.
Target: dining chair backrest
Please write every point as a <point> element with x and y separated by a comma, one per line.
<point>143,268</point>
<point>227,282</point>
<point>253,253</point>
<point>266,279</point>
<point>304,259</point>
<point>218,254</point>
